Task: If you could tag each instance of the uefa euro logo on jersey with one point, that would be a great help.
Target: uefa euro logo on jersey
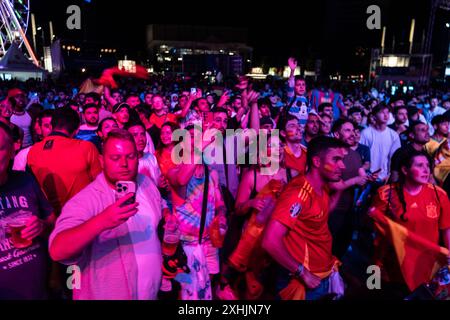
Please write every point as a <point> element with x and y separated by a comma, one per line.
<point>295,210</point>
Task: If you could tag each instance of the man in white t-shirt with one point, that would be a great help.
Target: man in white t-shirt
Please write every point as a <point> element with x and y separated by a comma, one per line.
<point>20,116</point>
<point>148,165</point>
<point>382,141</point>
<point>117,247</point>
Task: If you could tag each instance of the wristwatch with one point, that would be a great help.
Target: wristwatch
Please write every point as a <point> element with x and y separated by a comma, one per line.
<point>298,273</point>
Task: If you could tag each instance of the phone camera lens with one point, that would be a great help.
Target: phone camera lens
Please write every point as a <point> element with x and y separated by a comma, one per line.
<point>125,188</point>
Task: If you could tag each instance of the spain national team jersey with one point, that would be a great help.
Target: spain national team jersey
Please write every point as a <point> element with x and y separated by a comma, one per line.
<point>292,162</point>
<point>426,212</point>
<point>305,214</point>
<point>409,256</point>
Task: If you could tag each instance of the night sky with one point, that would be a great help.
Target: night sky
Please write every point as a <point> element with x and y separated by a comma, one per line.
<point>330,30</point>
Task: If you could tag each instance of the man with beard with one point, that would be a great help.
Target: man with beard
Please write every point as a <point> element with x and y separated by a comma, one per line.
<point>354,175</point>
<point>311,128</point>
<point>297,236</point>
<point>88,131</point>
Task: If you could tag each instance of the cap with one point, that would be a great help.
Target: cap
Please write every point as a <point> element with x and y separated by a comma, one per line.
<point>119,106</point>
<point>15,92</point>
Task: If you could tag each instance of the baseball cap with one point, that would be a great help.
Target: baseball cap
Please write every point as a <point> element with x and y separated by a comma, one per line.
<point>15,92</point>
<point>119,106</point>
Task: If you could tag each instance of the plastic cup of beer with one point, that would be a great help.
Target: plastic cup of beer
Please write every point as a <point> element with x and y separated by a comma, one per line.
<point>15,227</point>
<point>171,238</point>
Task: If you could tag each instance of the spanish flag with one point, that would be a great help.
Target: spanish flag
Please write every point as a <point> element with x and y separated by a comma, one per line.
<point>418,258</point>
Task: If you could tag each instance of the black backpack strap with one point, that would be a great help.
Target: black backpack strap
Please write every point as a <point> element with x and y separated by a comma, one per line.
<point>288,174</point>
<point>204,204</point>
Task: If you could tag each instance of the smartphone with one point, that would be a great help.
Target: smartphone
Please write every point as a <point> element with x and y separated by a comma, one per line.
<point>123,188</point>
<point>193,91</point>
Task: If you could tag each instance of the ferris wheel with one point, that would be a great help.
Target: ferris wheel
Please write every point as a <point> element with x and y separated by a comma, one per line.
<point>14,17</point>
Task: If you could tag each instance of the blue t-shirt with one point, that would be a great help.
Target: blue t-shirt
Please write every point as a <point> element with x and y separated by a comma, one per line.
<point>23,272</point>
<point>91,136</point>
<point>299,107</point>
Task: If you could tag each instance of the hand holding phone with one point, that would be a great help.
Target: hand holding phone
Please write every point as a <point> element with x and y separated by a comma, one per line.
<point>123,188</point>
<point>117,213</point>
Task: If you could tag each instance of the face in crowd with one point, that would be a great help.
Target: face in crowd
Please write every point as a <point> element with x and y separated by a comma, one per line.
<point>117,97</point>
<point>21,100</point>
<point>401,116</point>
<point>43,127</point>
<point>331,164</point>
<point>264,110</point>
<point>157,103</point>
<point>328,110</point>
<point>347,134</point>
<point>382,117</point>
<point>133,101</point>
<point>356,117</point>
<point>421,134</point>
<point>293,132</point>
<point>312,125</point>
<point>6,110</point>
<point>50,96</point>
<point>237,103</point>
<point>325,125</point>
<point>91,116</point>
<point>166,135</point>
<point>139,134</point>
<point>442,128</point>
<point>220,121</point>
<point>148,98</point>
<point>418,171</point>
<point>119,160</point>
<point>182,101</point>
<point>300,87</point>
<point>122,116</point>
<point>106,127</point>
<point>203,105</point>
<point>210,99</point>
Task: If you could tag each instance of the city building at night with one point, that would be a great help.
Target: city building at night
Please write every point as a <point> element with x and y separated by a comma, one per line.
<point>198,49</point>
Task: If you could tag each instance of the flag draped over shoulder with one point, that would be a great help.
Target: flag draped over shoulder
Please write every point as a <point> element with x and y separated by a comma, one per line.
<point>418,257</point>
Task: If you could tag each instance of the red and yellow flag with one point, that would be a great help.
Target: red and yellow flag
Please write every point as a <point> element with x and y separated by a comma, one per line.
<point>418,257</point>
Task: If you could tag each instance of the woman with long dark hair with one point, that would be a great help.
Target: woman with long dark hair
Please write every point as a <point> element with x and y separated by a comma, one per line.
<point>410,217</point>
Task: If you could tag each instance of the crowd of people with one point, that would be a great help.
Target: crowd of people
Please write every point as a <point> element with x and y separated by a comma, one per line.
<point>96,204</point>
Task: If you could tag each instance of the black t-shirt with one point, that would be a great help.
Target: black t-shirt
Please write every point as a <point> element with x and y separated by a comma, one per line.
<point>364,152</point>
<point>23,272</point>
